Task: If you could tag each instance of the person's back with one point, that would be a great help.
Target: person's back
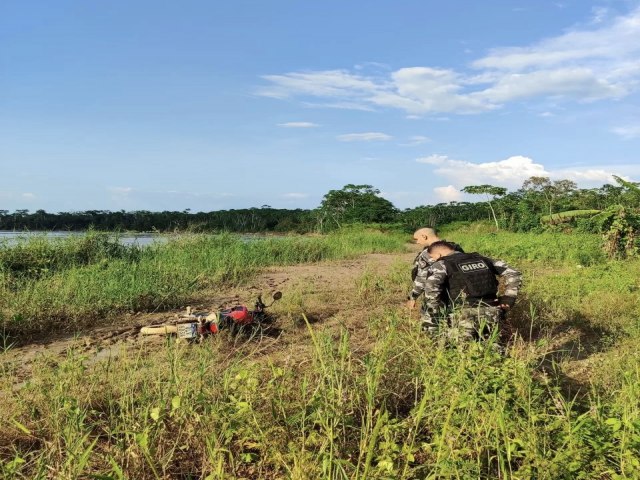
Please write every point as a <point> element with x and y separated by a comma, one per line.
<point>463,288</point>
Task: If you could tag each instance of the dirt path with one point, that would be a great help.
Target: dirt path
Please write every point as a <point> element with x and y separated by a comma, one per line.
<point>326,294</point>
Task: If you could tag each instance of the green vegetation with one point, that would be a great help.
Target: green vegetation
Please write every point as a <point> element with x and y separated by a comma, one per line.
<point>36,256</point>
<point>367,398</point>
<point>354,204</point>
<point>540,204</point>
<point>491,193</point>
<point>48,285</point>
<point>563,217</point>
<point>403,410</point>
<point>552,248</point>
<point>264,219</point>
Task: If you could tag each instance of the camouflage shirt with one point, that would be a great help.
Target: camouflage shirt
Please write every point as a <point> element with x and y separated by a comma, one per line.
<point>420,271</point>
<point>437,275</point>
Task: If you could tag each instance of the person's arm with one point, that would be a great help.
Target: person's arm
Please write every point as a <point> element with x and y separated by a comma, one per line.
<point>422,264</point>
<point>416,267</point>
<point>434,286</point>
<point>512,282</point>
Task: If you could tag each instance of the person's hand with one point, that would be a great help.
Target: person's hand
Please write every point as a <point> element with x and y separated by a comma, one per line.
<point>411,304</point>
<point>506,302</point>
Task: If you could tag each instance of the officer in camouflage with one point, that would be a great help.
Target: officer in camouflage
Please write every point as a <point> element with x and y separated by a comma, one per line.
<point>462,287</point>
<point>425,237</point>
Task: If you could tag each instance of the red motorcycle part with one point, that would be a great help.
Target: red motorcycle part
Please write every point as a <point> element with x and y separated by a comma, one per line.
<point>207,328</point>
<point>240,315</point>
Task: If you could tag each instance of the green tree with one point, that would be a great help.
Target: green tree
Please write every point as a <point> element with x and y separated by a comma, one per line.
<point>549,192</point>
<point>631,191</point>
<point>491,193</point>
<point>355,203</point>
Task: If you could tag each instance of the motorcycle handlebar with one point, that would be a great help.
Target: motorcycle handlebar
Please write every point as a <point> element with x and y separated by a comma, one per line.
<point>260,305</point>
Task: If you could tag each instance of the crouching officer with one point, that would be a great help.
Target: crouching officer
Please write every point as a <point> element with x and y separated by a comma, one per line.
<point>419,273</point>
<point>462,288</point>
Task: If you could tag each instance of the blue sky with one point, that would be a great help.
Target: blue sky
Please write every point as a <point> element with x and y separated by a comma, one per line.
<point>216,105</point>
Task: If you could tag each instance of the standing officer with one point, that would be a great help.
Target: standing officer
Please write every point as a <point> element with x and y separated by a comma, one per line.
<point>462,287</point>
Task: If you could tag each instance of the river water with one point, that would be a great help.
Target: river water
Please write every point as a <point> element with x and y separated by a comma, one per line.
<point>140,239</point>
<point>8,237</point>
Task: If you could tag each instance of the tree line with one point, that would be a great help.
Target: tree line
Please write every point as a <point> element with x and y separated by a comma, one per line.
<point>540,203</point>
<point>265,219</point>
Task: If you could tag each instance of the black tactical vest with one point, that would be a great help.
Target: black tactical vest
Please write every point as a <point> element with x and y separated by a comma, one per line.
<point>471,274</point>
<point>417,266</point>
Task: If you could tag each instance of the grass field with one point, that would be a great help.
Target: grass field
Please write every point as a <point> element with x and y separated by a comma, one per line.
<point>361,395</point>
<point>65,284</point>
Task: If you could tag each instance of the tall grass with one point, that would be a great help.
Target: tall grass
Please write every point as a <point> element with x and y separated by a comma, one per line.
<point>38,255</point>
<point>380,401</point>
<point>68,283</point>
<point>406,409</point>
<point>578,248</point>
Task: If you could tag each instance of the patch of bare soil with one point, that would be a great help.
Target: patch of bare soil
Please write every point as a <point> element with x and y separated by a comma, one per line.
<point>322,295</point>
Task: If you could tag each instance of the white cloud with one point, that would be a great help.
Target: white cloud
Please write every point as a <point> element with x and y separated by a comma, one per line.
<point>298,125</point>
<point>588,62</point>
<point>582,176</point>
<point>328,83</point>
<point>628,132</point>
<point>583,63</point>
<point>612,42</point>
<point>580,83</point>
<point>511,172</point>
<point>374,65</point>
<point>416,140</point>
<point>340,106</point>
<point>600,14</point>
<point>424,89</point>
<point>448,193</point>
<point>364,137</point>
<point>28,196</point>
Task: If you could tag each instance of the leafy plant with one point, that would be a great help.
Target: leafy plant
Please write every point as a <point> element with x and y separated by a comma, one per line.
<point>491,193</point>
<point>561,217</point>
<point>355,204</point>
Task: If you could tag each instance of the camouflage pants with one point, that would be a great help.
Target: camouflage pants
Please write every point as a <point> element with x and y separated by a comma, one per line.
<point>467,323</point>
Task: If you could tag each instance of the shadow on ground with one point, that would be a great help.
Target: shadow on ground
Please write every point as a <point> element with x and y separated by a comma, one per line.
<point>572,337</point>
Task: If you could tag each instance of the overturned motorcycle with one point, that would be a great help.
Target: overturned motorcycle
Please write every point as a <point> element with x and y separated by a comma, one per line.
<point>237,320</point>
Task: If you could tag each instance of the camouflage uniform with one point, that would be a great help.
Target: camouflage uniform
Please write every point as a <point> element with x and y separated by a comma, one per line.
<point>466,318</point>
<point>419,273</point>
<point>420,270</point>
